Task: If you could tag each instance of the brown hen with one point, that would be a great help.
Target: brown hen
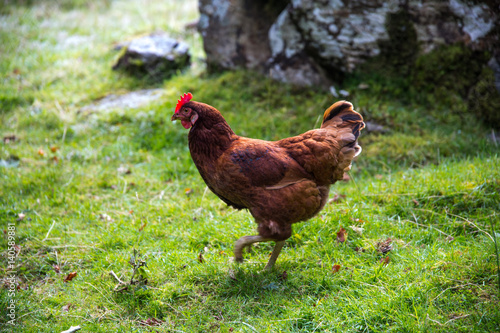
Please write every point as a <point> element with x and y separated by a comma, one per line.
<point>279,182</point>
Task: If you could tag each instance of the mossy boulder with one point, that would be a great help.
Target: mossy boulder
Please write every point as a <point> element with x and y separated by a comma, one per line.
<point>156,56</point>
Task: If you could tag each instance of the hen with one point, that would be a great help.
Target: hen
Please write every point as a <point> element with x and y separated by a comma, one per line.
<point>279,182</point>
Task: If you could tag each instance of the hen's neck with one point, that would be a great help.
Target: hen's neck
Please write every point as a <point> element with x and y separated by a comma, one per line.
<point>209,138</point>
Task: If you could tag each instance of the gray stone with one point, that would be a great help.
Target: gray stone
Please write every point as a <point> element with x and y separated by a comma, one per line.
<point>317,42</point>
<point>156,55</point>
<point>131,100</point>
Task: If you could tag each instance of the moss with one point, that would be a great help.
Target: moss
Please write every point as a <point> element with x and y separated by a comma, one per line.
<point>402,47</point>
<point>484,99</point>
<point>454,68</point>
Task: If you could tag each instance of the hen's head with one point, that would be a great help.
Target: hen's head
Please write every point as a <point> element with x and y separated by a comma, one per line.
<point>185,111</point>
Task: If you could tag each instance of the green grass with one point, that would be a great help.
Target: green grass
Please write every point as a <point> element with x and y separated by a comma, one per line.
<point>431,185</point>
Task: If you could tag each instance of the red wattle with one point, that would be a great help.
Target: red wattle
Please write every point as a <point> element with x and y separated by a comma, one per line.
<point>186,124</point>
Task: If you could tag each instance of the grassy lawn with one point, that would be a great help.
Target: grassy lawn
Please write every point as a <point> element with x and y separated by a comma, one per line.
<point>84,190</point>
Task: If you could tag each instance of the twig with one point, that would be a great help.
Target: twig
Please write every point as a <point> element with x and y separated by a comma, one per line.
<point>116,277</point>
<point>69,245</point>
<point>460,217</point>
<point>427,226</point>
<point>496,250</point>
<point>50,229</point>
<point>449,321</point>
<point>455,287</point>
<point>72,329</point>
<point>242,322</point>
<point>470,222</point>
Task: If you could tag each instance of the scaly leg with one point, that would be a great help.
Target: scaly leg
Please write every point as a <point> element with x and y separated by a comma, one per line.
<point>274,255</point>
<point>244,242</point>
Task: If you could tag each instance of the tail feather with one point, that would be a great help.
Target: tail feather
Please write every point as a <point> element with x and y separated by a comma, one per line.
<point>348,123</point>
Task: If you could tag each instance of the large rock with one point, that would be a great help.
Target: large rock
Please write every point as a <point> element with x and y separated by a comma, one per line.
<point>156,55</point>
<point>315,42</point>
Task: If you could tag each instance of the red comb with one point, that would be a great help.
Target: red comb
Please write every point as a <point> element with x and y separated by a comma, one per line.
<point>184,99</point>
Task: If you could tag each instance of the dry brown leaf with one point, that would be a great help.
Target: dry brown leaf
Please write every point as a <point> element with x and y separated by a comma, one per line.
<point>151,322</point>
<point>232,276</point>
<point>385,261</point>
<point>341,235</point>
<point>337,198</point>
<point>9,138</point>
<point>384,246</point>
<point>200,257</point>
<point>57,269</point>
<point>67,307</point>
<point>336,268</point>
<point>70,277</point>
<point>54,149</point>
<point>143,226</point>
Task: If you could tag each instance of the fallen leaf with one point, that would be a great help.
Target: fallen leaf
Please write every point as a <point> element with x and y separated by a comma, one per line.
<point>200,257</point>
<point>337,198</point>
<point>143,226</point>
<point>232,276</point>
<point>384,246</point>
<point>70,277</point>
<point>231,329</point>
<point>357,230</point>
<point>72,329</point>
<point>55,159</point>
<point>41,152</point>
<point>358,220</point>
<point>16,71</point>
<point>54,149</point>
<point>271,286</point>
<point>57,269</point>
<point>341,235</point>
<point>363,86</point>
<point>385,261</point>
<point>124,170</point>
<point>105,217</point>
<point>336,268</point>
<point>66,307</point>
<point>416,202</point>
<point>9,138</point>
<point>359,249</point>
<point>450,239</point>
<point>151,322</point>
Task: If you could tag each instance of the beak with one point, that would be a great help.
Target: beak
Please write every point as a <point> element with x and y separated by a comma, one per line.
<point>175,116</point>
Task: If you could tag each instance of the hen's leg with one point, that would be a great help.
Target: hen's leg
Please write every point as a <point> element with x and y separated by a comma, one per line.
<point>246,241</point>
<point>274,255</point>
